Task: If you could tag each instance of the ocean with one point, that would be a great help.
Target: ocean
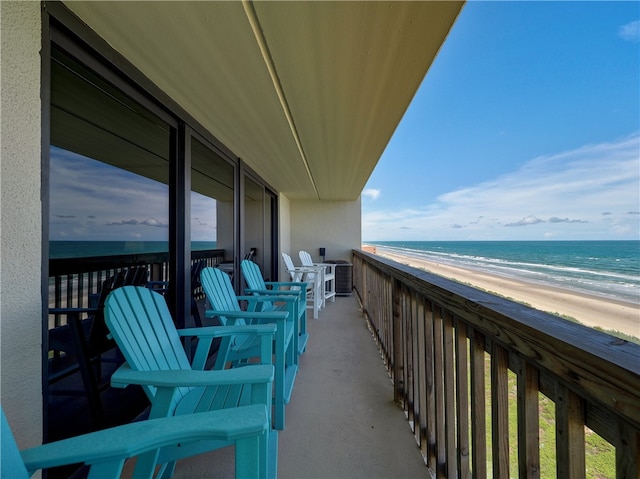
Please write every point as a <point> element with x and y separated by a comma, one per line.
<point>602,268</point>
<point>81,249</point>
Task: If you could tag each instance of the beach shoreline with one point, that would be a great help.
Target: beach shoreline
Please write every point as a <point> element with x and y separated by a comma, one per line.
<point>590,310</point>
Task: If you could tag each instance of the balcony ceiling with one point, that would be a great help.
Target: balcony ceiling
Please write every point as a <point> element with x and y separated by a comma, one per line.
<point>308,94</point>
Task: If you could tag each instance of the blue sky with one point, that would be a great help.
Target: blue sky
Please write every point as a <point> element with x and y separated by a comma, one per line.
<point>526,127</point>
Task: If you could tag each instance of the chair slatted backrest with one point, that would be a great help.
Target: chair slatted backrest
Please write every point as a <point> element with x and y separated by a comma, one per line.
<point>305,258</point>
<point>296,274</point>
<point>219,291</point>
<point>98,335</point>
<point>252,275</point>
<point>253,278</point>
<point>142,326</point>
<point>288,262</point>
<point>307,261</point>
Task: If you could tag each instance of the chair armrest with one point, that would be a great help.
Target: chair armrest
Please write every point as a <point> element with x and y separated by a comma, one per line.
<point>266,297</point>
<point>282,297</point>
<point>286,283</point>
<point>329,266</point>
<point>222,331</point>
<point>206,335</point>
<point>272,292</point>
<point>253,374</point>
<point>131,440</point>
<point>309,269</point>
<point>268,316</point>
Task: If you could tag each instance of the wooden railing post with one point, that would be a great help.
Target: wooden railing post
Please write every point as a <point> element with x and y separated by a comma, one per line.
<point>438,385</point>
<point>478,407</point>
<point>398,348</point>
<point>628,453</point>
<point>431,385</point>
<point>528,421</point>
<point>500,411</point>
<point>462,398</point>
<point>570,462</point>
<point>449,396</point>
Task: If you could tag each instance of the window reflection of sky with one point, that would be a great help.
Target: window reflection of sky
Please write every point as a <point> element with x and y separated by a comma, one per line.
<point>91,200</point>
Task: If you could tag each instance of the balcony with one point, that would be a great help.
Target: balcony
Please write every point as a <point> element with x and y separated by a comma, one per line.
<point>466,374</point>
<point>342,421</point>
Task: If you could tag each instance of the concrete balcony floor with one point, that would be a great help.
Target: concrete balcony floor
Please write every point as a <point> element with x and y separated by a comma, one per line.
<point>341,421</point>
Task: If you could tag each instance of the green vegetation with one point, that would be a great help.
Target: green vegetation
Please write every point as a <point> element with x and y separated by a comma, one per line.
<point>619,334</point>
<point>611,332</point>
<point>600,455</point>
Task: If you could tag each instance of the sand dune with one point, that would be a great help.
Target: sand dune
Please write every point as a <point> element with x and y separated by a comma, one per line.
<point>589,310</point>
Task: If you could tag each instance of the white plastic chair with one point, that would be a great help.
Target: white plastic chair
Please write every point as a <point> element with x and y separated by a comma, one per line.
<point>311,276</point>
<point>328,276</point>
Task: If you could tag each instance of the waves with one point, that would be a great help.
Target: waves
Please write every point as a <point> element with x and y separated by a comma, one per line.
<point>603,268</point>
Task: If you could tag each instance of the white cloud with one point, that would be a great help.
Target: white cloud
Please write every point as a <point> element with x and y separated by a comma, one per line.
<point>371,193</point>
<point>529,220</point>
<point>561,196</point>
<point>93,200</point>
<point>630,32</point>
<point>154,222</point>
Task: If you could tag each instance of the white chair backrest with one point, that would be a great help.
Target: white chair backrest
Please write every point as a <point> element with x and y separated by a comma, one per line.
<point>305,258</point>
<point>288,262</point>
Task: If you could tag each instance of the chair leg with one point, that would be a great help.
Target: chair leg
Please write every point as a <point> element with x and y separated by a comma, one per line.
<point>168,470</point>
<point>321,288</point>
<point>106,469</point>
<point>89,380</point>
<point>251,457</point>
<point>316,302</point>
<point>146,465</point>
<point>279,383</point>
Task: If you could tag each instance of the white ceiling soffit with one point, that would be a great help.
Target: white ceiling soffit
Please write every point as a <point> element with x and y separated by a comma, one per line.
<point>308,94</point>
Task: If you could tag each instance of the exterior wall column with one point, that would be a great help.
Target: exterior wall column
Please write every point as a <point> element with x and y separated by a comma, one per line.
<point>333,225</point>
<point>21,220</point>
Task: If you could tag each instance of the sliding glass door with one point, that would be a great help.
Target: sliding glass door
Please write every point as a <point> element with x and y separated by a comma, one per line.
<point>259,239</point>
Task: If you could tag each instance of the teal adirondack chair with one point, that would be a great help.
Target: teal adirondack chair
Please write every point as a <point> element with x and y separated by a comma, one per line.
<point>256,285</point>
<point>142,327</point>
<point>106,451</point>
<point>225,305</point>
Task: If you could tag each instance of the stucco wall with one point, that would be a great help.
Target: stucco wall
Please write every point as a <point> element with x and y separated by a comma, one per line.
<point>20,220</point>
<point>333,225</point>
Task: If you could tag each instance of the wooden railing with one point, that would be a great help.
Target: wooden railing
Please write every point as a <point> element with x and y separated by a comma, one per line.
<point>437,336</point>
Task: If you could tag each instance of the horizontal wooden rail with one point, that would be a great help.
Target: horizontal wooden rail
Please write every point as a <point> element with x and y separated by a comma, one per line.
<point>452,349</point>
<point>74,281</point>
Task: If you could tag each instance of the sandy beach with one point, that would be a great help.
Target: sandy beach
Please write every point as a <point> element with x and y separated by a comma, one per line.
<point>589,310</point>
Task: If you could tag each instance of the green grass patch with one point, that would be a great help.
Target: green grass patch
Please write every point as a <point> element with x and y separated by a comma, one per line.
<point>600,455</point>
